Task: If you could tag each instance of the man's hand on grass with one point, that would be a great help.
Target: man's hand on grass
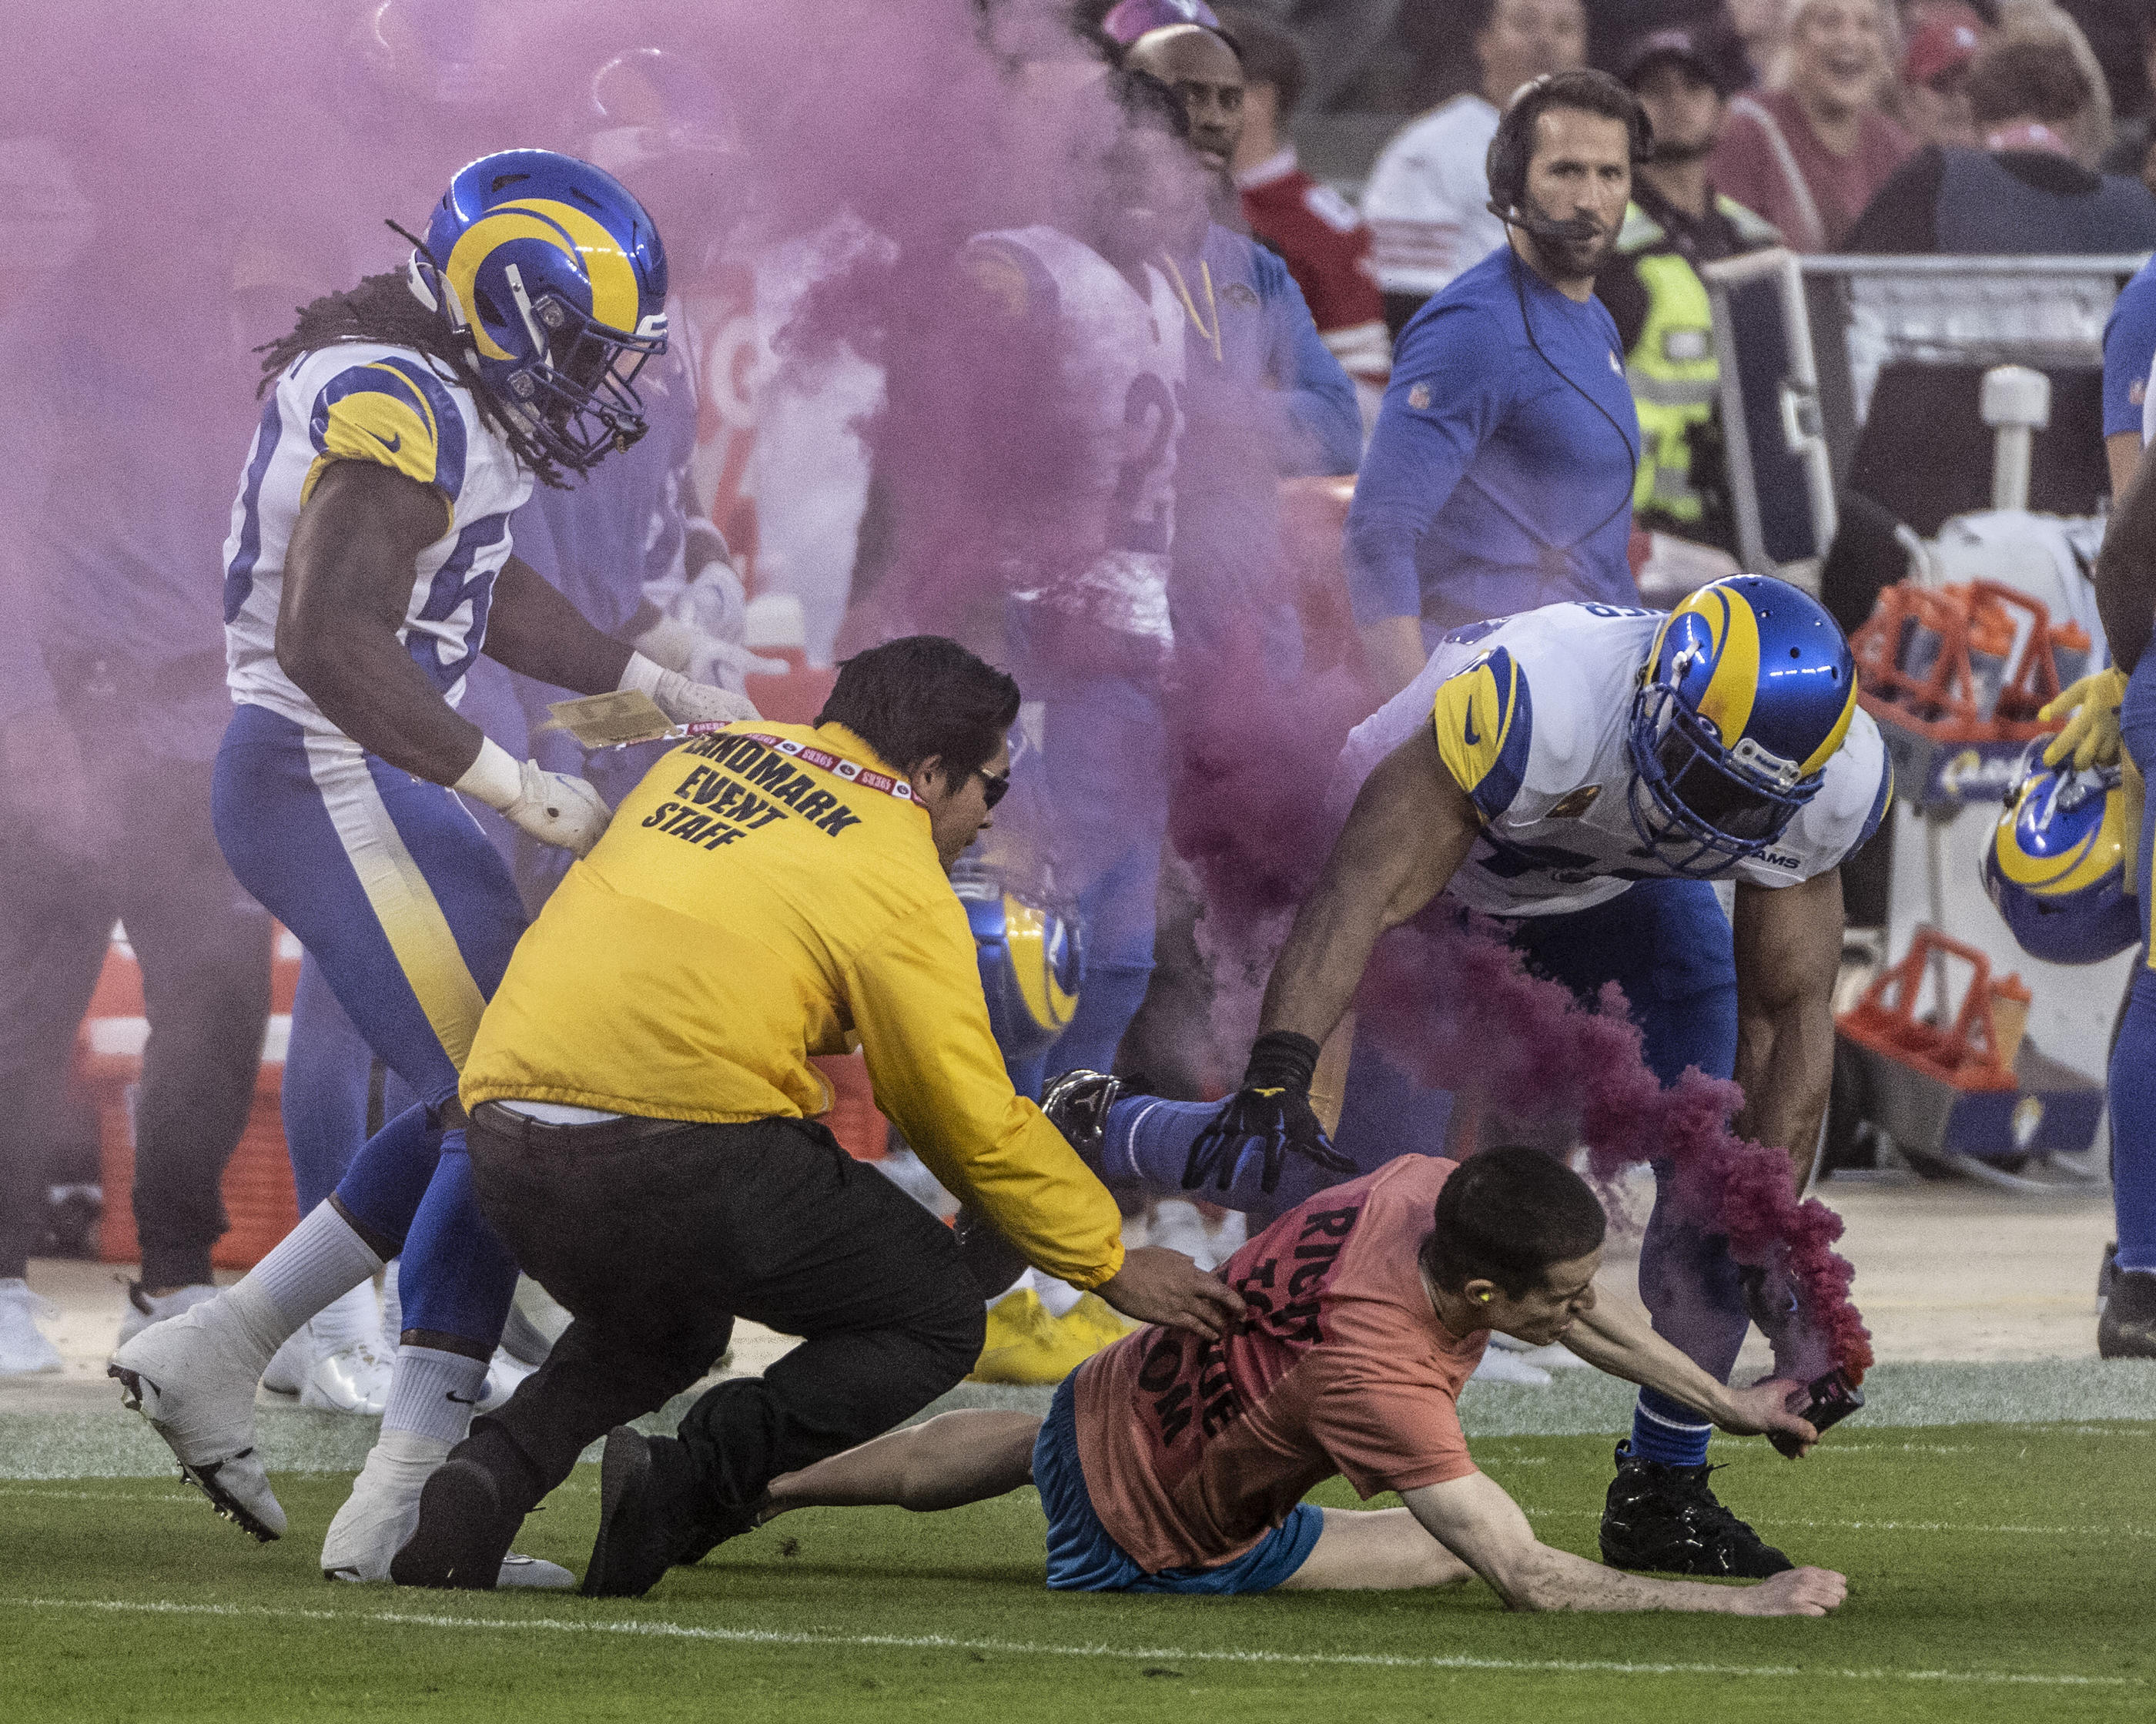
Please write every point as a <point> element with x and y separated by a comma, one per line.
<point>1157,1286</point>
<point>1801,1592</point>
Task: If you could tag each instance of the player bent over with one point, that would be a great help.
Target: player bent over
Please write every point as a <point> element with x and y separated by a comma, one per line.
<point>642,1130</point>
<point>1583,773</point>
<point>369,564</point>
<point>1172,1464</point>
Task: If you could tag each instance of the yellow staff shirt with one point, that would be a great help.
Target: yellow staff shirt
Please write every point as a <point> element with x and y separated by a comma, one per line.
<point>750,906</point>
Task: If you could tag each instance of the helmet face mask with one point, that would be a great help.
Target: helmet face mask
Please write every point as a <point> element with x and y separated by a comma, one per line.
<point>555,277</point>
<point>1768,660</point>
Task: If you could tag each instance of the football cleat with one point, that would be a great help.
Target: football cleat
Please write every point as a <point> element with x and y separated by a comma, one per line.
<point>652,1514</point>
<point>353,1380</point>
<point>1501,1364</point>
<point>24,1350</point>
<point>381,1518</point>
<point>458,1539</point>
<point>1077,1105</point>
<point>1666,1519</point>
<point>504,1372</point>
<point>2127,1330</point>
<point>193,1382</point>
<point>1025,1344</point>
<point>142,1310</point>
<point>286,1372</point>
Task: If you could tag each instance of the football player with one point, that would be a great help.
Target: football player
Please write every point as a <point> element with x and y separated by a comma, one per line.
<point>1584,771</point>
<point>369,564</point>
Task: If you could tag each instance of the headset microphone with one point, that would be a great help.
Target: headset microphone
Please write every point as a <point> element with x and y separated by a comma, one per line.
<point>1573,230</point>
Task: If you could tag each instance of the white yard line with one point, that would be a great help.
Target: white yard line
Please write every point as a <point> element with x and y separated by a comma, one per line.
<point>1155,1655</point>
<point>1537,1514</point>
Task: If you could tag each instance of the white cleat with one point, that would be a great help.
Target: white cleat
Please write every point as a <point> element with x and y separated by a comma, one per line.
<point>379,1517</point>
<point>286,1372</point>
<point>142,1310</point>
<point>190,1378</point>
<point>24,1350</point>
<point>505,1370</point>
<point>353,1380</point>
<point>1501,1366</point>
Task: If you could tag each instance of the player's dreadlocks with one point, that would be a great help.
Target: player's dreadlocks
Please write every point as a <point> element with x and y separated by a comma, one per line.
<point>384,308</point>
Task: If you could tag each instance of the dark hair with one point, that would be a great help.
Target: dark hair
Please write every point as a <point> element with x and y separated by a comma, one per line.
<point>1269,55</point>
<point>2027,78</point>
<point>384,308</point>
<point>923,695</point>
<point>1506,1216</point>
<point>1145,99</point>
<point>1512,150</point>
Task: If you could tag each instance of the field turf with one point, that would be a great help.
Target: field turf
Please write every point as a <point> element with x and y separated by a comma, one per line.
<point>1996,1572</point>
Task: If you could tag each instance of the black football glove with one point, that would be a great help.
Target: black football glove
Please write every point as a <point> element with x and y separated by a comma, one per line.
<point>1272,1110</point>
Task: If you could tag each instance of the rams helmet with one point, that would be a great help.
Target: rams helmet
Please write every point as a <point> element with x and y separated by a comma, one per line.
<point>2056,866</point>
<point>1745,696</point>
<point>555,277</point>
<point>1031,955</point>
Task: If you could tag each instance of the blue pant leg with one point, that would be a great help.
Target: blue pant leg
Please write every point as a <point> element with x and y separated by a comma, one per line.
<point>1147,1140</point>
<point>2132,1072</point>
<point>458,1277</point>
<point>327,1069</point>
<point>411,915</point>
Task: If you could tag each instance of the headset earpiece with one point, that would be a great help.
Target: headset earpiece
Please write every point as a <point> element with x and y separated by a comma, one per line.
<point>1505,164</point>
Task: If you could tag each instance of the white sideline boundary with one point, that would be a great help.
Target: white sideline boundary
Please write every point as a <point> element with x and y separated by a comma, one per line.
<point>941,1643</point>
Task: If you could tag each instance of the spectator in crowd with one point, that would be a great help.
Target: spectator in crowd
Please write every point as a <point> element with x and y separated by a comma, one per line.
<point>1652,287</point>
<point>1809,157</point>
<point>1615,27</point>
<point>1935,76</point>
<point>2129,152</point>
<point>1324,242</point>
<point>1763,27</point>
<point>1334,38</point>
<point>1427,197</point>
<point>2023,191</point>
<point>1500,477</point>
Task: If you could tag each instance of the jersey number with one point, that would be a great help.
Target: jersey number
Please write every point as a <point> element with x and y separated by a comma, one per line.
<point>1149,409</point>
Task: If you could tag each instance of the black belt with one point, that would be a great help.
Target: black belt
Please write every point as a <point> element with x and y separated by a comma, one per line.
<point>593,1134</point>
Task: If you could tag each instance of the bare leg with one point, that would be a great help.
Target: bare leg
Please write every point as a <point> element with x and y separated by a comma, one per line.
<point>1372,1549</point>
<point>952,1460</point>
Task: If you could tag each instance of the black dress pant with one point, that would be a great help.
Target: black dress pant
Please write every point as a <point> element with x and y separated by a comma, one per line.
<point>656,1244</point>
<point>203,946</point>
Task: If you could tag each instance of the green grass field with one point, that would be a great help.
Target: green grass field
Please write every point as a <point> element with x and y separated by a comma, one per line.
<point>1996,1572</point>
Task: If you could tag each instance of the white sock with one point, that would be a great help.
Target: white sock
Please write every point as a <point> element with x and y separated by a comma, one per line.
<point>392,1304</point>
<point>349,1317</point>
<point>319,1259</point>
<point>1057,1298</point>
<point>432,1394</point>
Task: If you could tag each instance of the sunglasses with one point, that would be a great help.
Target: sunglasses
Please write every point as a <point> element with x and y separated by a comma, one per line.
<point>993,789</point>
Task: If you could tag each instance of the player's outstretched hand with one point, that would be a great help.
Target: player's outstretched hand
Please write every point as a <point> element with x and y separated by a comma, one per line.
<point>687,702</point>
<point>1799,1592</point>
<point>2091,709</point>
<point>1157,1286</point>
<point>1271,1112</point>
<point>1763,1408</point>
<point>558,809</point>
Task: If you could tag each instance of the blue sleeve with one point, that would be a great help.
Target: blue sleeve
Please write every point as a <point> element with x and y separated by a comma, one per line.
<point>1447,394</point>
<point>1321,397</point>
<point>2129,347</point>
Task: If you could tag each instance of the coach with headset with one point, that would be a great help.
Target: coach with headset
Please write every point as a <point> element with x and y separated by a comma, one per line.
<point>1500,476</point>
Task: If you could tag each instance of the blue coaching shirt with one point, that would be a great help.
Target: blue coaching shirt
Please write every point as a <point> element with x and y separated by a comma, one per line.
<point>1500,476</point>
<point>2129,348</point>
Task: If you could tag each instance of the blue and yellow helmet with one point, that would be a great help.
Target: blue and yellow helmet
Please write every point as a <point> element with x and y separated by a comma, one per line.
<point>1031,955</point>
<point>2056,866</point>
<point>1746,694</point>
<point>555,276</point>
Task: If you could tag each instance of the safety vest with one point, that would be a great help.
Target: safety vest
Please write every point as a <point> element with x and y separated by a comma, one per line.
<point>1672,367</point>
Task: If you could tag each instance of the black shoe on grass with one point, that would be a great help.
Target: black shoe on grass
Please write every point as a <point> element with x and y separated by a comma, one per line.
<point>2127,1330</point>
<point>651,1514</point>
<point>463,1536</point>
<point>1666,1521</point>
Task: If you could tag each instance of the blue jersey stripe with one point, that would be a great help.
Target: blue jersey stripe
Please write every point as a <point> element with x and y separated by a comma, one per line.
<point>239,575</point>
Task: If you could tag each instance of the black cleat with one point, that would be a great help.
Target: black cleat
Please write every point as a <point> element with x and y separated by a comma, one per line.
<point>463,1535</point>
<point>2107,1272</point>
<point>1666,1519</point>
<point>651,1514</point>
<point>1077,1105</point>
<point>2127,1330</point>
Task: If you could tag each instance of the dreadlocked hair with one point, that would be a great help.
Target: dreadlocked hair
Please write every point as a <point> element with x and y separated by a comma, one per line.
<point>384,308</point>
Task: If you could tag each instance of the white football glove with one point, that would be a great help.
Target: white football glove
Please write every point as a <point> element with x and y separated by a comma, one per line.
<point>552,807</point>
<point>683,701</point>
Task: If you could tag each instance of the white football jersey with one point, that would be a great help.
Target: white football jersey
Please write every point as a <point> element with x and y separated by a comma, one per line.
<point>1532,714</point>
<point>1123,375</point>
<point>368,402</point>
<point>1426,195</point>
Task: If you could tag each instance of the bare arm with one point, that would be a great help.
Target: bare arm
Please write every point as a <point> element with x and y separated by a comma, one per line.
<point>2126,571</point>
<point>1410,828</point>
<point>2122,454</point>
<point>538,633</point>
<point>348,582</point>
<point>1788,951</point>
<point>1615,1336</point>
<point>1474,1519</point>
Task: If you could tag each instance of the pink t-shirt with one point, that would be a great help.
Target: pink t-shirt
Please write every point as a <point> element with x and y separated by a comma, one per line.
<point>1746,166</point>
<point>1193,1450</point>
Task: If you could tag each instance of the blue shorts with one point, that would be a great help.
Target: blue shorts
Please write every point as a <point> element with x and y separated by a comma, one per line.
<point>1081,1556</point>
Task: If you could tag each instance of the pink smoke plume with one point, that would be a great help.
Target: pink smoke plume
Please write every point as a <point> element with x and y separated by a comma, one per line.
<point>1532,1051</point>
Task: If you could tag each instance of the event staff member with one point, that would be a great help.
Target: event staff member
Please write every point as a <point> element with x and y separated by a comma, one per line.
<point>1500,477</point>
<point>641,1131</point>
